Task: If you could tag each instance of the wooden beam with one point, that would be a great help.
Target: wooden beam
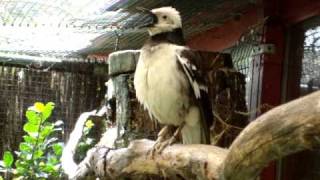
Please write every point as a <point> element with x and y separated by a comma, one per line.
<point>45,65</point>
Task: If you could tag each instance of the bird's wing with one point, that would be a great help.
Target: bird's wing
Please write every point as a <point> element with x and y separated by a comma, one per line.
<point>190,62</point>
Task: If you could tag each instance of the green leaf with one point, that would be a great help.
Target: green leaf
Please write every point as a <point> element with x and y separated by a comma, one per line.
<point>22,164</point>
<point>57,148</point>
<point>38,154</point>
<point>25,147</point>
<point>30,127</point>
<point>33,117</point>
<point>47,111</point>
<point>34,135</point>
<point>22,170</point>
<point>29,139</point>
<point>52,160</point>
<point>7,159</point>
<point>1,178</point>
<point>46,131</point>
<point>49,168</point>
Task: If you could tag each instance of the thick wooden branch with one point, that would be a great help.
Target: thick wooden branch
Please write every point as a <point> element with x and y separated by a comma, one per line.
<point>284,130</point>
<point>175,162</point>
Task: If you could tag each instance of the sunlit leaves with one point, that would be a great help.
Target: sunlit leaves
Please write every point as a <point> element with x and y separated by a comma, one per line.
<point>39,153</point>
<point>57,148</point>
<point>33,116</point>
<point>86,141</point>
<point>25,147</point>
<point>30,127</point>
<point>29,139</point>
<point>46,130</point>
<point>7,159</point>
<point>47,110</point>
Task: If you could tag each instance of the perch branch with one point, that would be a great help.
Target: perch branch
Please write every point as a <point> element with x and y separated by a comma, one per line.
<point>284,130</point>
<point>175,162</point>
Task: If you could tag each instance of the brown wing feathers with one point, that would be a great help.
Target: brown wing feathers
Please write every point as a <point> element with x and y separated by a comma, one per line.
<point>190,62</point>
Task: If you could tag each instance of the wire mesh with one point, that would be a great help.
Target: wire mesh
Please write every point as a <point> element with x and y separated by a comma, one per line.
<point>70,21</point>
<point>242,53</point>
<point>20,88</point>
<point>310,75</point>
<point>241,56</point>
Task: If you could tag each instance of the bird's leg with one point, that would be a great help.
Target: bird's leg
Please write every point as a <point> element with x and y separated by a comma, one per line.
<point>172,139</point>
<point>160,139</point>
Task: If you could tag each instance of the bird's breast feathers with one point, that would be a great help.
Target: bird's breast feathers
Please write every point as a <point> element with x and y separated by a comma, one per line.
<point>160,85</point>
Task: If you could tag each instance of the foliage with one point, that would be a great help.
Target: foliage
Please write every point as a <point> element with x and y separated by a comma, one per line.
<point>86,141</point>
<point>39,154</point>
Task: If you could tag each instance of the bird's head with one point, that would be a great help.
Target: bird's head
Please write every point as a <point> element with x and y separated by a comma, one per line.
<point>161,20</point>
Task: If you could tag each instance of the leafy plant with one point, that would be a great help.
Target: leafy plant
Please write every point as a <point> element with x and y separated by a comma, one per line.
<point>86,142</point>
<point>39,153</point>
<point>92,132</point>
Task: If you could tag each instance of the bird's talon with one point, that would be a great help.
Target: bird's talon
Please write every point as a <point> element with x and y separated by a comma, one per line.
<point>163,146</point>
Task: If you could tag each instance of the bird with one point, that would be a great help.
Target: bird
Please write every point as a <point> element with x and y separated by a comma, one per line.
<point>168,82</point>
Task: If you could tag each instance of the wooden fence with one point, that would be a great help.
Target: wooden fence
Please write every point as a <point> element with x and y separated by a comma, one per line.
<point>72,93</point>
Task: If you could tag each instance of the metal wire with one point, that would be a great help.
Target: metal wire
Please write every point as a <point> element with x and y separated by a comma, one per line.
<point>310,75</point>
<point>116,15</point>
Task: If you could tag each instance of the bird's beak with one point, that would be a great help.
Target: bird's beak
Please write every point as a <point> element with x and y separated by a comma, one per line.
<point>148,20</point>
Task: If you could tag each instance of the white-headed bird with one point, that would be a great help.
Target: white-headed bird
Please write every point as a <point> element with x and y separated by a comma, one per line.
<point>169,84</point>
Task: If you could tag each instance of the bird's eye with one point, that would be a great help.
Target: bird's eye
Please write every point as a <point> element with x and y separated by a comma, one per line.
<point>164,17</point>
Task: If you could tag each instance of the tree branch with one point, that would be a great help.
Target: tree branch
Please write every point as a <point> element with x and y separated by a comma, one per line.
<point>284,130</point>
<point>175,162</point>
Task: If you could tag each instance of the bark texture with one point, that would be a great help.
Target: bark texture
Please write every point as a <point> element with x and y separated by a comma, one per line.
<point>284,130</point>
<point>175,162</point>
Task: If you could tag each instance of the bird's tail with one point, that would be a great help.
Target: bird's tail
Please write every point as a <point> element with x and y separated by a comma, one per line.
<point>193,131</point>
<point>193,134</point>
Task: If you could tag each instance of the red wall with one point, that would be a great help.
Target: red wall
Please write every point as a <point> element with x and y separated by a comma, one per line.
<point>217,39</point>
<point>225,36</point>
<point>294,11</point>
